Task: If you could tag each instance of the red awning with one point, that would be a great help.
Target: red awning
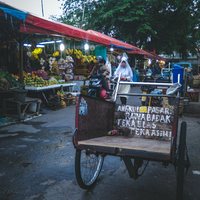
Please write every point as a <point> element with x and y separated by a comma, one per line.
<point>61,29</point>
<point>113,42</point>
<point>40,25</point>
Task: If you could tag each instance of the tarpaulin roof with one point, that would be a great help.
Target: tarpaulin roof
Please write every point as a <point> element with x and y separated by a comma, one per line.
<point>113,42</point>
<point>34,24</point>
<point>15,13</point>
<point>63,29</point>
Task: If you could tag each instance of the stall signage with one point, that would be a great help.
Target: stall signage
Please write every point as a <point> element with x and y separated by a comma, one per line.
<point>144,121</point>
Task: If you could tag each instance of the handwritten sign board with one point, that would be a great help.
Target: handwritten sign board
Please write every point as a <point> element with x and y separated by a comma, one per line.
<point>144,121</point>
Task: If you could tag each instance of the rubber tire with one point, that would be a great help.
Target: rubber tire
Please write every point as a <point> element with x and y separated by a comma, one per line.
<point>78,171</point>
<point>181,162</point>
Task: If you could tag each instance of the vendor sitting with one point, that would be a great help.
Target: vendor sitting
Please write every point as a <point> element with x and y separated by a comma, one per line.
<point>100,68</point>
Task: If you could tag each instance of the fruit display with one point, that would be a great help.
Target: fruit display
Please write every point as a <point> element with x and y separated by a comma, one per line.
<point>54,68</point>
<point>51,61</point>
<point>38,81</point>
<point>74,100</point>
<point>56,54</point>
<point>79,55</point>
<point>4,84</point>
<point>41,73</point>
<point>84,89</point>
<point>63,104</point>
<point>15,76</point>
<point>34,81</point>
<point>7,81</point>
<point>69,59</point>
<point>34,54</point>
<point>61,63</point>
<point>52,82</point>
<point>66,98</point>
<point>62,98</point>
<point>43,63</point>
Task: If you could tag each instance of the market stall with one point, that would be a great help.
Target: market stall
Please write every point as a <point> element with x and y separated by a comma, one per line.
<point>48,57</point>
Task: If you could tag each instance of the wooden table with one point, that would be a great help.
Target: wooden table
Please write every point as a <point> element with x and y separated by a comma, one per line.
<point>47,88</point>
<point>18,107</point>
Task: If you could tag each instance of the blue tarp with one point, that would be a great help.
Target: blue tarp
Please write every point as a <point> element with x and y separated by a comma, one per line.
<point>15,13</point>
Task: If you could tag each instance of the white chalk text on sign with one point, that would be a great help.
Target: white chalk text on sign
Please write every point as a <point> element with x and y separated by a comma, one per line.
<point>142,121</point>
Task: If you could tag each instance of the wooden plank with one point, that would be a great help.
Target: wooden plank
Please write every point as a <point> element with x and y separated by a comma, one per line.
<point>130,143</point>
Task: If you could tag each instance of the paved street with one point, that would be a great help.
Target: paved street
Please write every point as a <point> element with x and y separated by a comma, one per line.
<point>37,163</point>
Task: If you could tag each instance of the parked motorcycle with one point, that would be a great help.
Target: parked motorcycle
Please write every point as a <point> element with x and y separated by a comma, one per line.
<point>148,89</point>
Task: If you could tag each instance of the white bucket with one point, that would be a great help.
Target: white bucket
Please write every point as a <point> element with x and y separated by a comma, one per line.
<point>32,107</point>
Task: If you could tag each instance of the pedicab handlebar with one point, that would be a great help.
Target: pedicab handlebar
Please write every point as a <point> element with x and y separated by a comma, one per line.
<point>172,88</point>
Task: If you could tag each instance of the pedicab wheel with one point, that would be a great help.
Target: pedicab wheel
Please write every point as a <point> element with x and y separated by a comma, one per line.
<point>87,168</point>
<point>181,161</point>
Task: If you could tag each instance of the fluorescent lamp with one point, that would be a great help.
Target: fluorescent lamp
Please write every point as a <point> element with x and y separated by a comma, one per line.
<point>27,45</point>
<point>47,42</point>
<point>62,47</point>
<point>86,46</point>
<point>58,41</point>
<point>39,46</point>
<point>111,49</point>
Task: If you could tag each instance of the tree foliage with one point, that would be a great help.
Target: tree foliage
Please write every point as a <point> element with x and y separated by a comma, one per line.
<point>164,25</point>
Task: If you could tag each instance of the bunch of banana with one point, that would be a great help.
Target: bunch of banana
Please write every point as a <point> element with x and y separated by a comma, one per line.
<point>63,104</point>
<point>84,59</point>
<point>56,54</point>
<point>90,58</point>
<point>62,98</point>
<point>74,100</point>
<point>79,54</point>
<point>37,51</point>
<point>61,94</point>
<point>94,60</point>
<point>68,51</point>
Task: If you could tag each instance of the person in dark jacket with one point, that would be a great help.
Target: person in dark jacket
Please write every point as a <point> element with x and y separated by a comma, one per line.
<point>100,68</point>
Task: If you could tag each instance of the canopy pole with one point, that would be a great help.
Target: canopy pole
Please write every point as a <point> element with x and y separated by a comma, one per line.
<point>21,58</point>
<point>73,49</point>
<point>64,52</point>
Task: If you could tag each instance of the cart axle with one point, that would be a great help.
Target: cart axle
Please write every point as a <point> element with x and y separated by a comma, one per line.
<point>133,170</point>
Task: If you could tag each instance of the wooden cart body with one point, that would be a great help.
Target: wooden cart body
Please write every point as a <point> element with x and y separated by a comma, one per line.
<point>143,132</point>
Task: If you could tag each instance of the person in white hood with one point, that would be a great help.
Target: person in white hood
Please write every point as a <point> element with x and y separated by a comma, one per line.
<point>126,75</point>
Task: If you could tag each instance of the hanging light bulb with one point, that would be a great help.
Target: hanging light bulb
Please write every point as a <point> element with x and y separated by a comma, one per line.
<point>86,46</point>
<point>111,49</point>
<point>62,47</point>
<point>149,61</point>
